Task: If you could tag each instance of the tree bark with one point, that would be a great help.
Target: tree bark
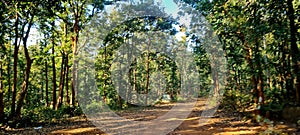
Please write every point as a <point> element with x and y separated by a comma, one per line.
<point>260,91</point>
<point>54,75</point>
<point>8,76</point>
<point>78,8</point>
<point>248,58</point>
<point>74,75</point>
<point>61,83</point>
<point>284,71</point>
<point>148,69</point>
<point>22,93</point>
<point>47,83</point>
<point>66,66</point>
<point>294,48</point>
<point>75,62</point>
<point>67,79</point>
<point>1,95</point>
<point>287,71</point>
<point>15,67</point>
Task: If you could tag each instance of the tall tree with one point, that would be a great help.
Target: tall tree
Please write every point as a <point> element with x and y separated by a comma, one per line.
<point>294,48</point>
<point>15,65</point>
<point>4,54</point>
<point>47,83</point>
<point>254,32</point>
<point>53,68</point>
<point>78,10</point>
<point>28,22</point>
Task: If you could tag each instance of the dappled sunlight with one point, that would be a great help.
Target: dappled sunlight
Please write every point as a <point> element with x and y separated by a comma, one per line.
<point>176,67</point>
<point>220,124</point>
<point>242,128</point>
<point>187,119</point>
<point>290,128</point>
<point>237,132</point>
<point>75,131</point>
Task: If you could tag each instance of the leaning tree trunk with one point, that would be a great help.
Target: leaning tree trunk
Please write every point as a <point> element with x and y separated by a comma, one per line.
<point>22,93</point>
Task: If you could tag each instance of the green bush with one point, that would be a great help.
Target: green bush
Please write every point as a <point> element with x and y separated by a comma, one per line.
<point>92,108</point>
<point>69,110</point>
<point>45,115</point>
<point>236,101</point>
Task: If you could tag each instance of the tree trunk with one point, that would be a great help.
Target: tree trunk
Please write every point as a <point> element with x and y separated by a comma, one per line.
<point>148,69</point>
<point>284,71</point>
<point>67,79</point>
<point>66,66</point>
<point>287,72</point>
<point>216,85</point>
<point>54,77</point>
<point>47,84</point>
<point>61,83</point>
<point>294,48</point>
<point>104,76</point>
<point>75,62</point>
<point>74,81</point>
<point>260,92</point>
<point>72,102</point>
<point>248,58</point>
<point>78,10</point>
<point>135,82</point>
<point>8,76</point>
<point>267,67</point>
<point>22,93</point>
<point>1,95</point>
<point>15,68</point>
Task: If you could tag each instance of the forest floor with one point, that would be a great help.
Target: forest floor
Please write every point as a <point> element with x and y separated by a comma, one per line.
<point>223,123</point>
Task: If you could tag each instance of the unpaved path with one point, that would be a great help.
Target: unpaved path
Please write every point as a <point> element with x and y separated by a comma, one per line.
<point>223,123</point>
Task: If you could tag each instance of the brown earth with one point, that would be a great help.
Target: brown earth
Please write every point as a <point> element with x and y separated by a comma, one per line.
<point>222,123</point>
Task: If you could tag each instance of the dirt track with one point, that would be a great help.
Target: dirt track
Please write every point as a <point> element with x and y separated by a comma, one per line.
<point>223,123</point>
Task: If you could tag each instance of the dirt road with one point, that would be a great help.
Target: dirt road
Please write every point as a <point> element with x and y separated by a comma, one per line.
<point>223,123</point>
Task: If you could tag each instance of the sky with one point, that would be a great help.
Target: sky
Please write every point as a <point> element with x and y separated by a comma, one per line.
<point>171,7</point>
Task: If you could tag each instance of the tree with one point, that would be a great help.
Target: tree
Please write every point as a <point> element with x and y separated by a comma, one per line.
<point>294,48</point>
<point>4,54</point>
<point>263,35</point>
<point>29,21</point>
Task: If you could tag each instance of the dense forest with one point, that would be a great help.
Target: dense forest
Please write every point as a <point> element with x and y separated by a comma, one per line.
<point>45,76</point>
